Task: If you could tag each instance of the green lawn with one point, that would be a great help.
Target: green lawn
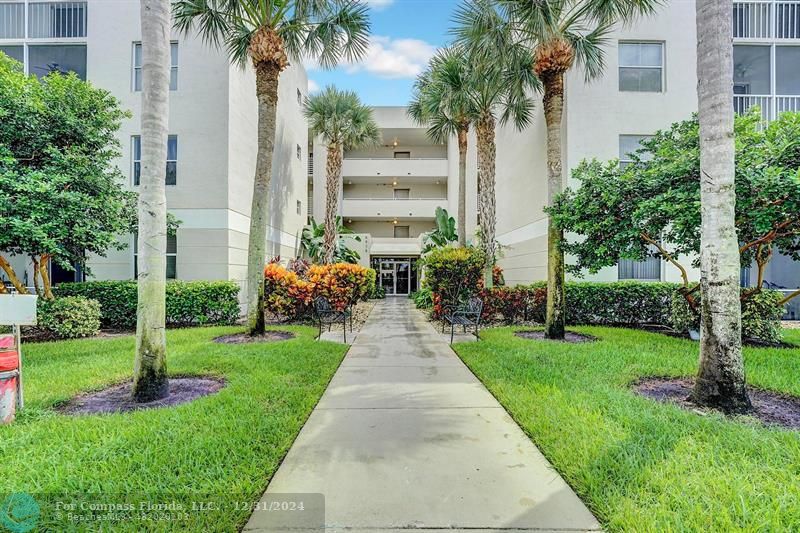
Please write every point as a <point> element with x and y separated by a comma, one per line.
<point>223,448</point>
<point>640,465</point>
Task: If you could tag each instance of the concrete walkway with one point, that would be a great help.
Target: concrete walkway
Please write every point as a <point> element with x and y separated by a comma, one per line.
<point>406,437</point>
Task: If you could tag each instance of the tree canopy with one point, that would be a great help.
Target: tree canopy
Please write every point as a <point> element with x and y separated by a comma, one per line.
<point>652,206</point>
<point>61,195</point>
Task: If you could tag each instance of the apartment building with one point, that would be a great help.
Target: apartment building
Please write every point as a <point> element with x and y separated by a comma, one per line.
<point>389,194</point>
<point>650,82</point>
<point>213,132</point>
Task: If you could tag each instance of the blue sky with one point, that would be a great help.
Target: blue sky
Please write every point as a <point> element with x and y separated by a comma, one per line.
<point>405,33</point>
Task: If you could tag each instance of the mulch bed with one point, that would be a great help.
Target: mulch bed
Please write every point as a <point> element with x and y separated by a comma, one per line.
<point>770,408</point>
<point>244,338</point>
<point>569,337</point>
<point>117,399</point>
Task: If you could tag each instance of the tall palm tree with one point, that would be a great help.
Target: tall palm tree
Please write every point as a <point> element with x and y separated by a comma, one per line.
<point>150,367</point>
<point>270,33</point>
<point>559,35</point>
<point>498,83</point>
<point>721,379</point>
<point>344,123</point>
<point>441,101</point>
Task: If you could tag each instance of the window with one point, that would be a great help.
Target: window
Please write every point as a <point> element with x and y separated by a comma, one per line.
<point>402,155</point>
<point>59,20</point>
<point>299,152</point>
<point>14,52</point>
<point>12,20</point>
<point>172,160</point>
<point>401,232</point>
<point>628,144</point>
<point>787,73</point>
<point>172,256</point>
<point>299,207</point>
<point>641,67</point>
<point>402,194</point>
<point>299,97</point>
<point>647,270</point>
<point>137,66</point>
<point>751,69</point>
<point>44,59</point>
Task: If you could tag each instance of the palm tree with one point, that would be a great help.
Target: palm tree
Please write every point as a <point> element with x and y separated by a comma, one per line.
<point>270,33</point>
<point>721,379</point>
<point>498,83</point>
<point>150,367</point>
<point>441,101</point>
<point>559,35</point>
<point>344,123</point>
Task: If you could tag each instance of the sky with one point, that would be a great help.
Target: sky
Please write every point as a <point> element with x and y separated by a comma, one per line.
<point>405,34</point>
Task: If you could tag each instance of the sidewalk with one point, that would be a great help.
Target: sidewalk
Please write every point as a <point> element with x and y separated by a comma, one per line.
<point>406,437</point>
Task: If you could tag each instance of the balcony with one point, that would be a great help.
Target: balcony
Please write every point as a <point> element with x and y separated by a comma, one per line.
<point>771,106</point>
<point>391,208</point>
<point>363,167</point>
<point>759,20</point>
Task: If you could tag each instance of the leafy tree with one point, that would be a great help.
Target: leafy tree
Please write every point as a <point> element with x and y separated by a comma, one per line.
<point>270,33</point>
<point>344,123</point>
<point>500,87</point>
<point>441,100</point>
<point>150,380</point>
<point>61,197</point>
<point>558,35</point>
<point>313,238</point>
<point>444,234</point>
<point>652,207</point>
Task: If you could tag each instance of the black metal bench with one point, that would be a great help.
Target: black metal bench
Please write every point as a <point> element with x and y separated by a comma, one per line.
<point>327,314</point>
<point>465,315</point>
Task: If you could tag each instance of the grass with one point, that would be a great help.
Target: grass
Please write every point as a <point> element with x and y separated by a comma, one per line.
<point>223,448</point>
<point>640,465</point>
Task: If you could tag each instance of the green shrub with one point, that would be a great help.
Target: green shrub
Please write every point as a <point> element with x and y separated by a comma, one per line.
<point>189,303</point>
<point>452,274</point>
<point>423,298</point>
<point>70,317</point>
<point>622,303</point>
<point>761,315</point>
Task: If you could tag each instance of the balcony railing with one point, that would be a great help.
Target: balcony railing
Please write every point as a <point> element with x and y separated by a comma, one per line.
<point>418,208</point>
<point>12,20</point>
<point>766,19</point>
<point>418,167</point>
<point>770,106</point>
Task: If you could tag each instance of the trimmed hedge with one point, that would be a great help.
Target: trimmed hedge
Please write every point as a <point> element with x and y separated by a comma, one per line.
<point>761,315</point>
<point>71,317</point>
<point>452,274</point>
<point>189,303</point>
<point>623,303</point>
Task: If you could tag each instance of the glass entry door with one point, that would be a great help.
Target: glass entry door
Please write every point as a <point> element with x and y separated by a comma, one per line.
<point>395,276</point>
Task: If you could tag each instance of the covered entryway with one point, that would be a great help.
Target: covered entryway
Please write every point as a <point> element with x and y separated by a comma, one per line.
<point>397,275</point>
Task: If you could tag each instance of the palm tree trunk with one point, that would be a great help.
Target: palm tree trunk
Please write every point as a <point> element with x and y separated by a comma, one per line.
<point>553,110</point>
<point>462,185</point>
<point>721,379</point>
<point>333,171</point>
<point>486,206</point>
<point>150,368</point>
<point>267,76</point>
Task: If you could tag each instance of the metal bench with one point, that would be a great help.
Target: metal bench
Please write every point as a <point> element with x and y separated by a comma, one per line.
<point>465,315</point>
<point>327,314</point>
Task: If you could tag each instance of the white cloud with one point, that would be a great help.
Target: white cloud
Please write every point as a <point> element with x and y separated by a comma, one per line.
<point>379,4</point>
<point>312,86</point>
<point>394,58</point>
